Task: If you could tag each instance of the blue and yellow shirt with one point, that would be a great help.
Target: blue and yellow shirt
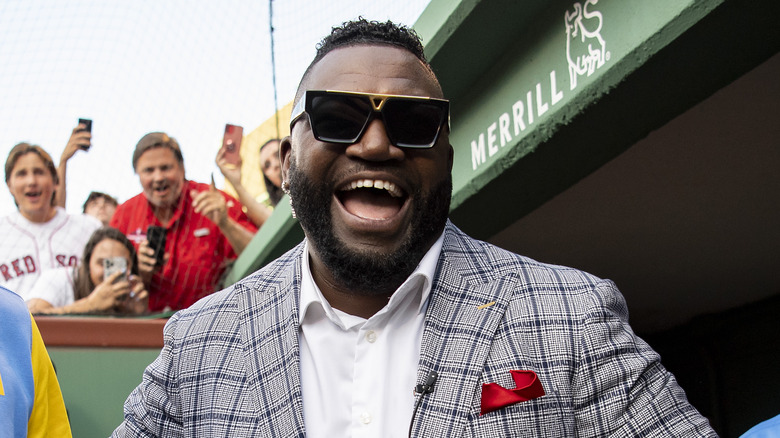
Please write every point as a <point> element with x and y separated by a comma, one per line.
<point>31,403</point>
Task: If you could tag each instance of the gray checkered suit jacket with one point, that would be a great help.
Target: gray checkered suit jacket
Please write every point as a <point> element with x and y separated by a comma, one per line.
<point>230,365</point>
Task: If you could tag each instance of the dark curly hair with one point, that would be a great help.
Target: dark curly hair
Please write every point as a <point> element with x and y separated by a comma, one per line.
<point>365,32</point>
<point>362,31</point>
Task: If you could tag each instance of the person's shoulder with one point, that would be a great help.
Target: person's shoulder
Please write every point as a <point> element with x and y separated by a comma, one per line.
<point>11,306</point>
<point>80,221</point>
<point>86,220</point>
<point>7,223</point>
<point>766,429</point>
<point>553,289</point>
<point>279,272</point>
<point>10,298</point>
<point>16,219</point>
<point>132,201</point>
<point>483,259</point>
<point>217,314</point>
<point>224,309</point>
<point>9,218</point>
<point>133,207</point>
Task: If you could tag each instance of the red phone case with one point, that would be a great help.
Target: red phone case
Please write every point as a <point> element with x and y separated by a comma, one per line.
<point>231,143</point>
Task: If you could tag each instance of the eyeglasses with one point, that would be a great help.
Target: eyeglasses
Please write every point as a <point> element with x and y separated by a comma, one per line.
<point>343,116</point>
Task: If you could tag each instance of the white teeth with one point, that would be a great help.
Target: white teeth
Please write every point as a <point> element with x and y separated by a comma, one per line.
<point>377,184</point>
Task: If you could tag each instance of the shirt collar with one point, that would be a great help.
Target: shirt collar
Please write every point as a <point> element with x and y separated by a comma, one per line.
<point>418,284</point>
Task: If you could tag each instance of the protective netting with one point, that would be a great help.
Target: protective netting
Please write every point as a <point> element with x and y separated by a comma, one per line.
<point>183,67</point>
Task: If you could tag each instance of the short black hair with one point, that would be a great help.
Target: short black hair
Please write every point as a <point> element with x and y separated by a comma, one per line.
<point>365,32</point>
<point>362,31</point>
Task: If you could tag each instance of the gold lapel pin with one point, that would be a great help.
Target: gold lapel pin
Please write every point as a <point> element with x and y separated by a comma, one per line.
<point>486,305</point>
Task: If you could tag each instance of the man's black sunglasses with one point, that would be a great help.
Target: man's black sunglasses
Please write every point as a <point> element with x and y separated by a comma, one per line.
<point>342,116</point>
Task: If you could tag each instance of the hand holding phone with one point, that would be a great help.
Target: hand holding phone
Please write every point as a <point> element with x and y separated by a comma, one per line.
<point>87,124</point>
<point>112,265</point>
<point>156,237</point>
<point>87,128</point>
<point>231,143</point>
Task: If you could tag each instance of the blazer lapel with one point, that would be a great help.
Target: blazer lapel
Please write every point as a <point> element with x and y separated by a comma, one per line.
<point>466,305</point>
<point>269,337</point>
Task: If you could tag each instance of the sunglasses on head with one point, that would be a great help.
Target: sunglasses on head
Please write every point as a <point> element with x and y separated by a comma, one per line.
<point>343,116</point>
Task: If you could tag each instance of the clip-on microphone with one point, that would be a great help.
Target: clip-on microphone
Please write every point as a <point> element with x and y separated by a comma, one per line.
<point>427,388</point>
<point>423,389</point>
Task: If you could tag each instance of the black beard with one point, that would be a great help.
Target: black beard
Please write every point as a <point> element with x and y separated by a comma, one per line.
<point>368,273</point>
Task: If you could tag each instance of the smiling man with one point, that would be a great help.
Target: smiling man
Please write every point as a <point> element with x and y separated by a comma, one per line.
<point>388,321</point>
<point>205,229</point>
<point>370,206</point>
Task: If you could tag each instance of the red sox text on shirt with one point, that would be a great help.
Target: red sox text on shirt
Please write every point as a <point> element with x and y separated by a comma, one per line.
<point>26,265</point>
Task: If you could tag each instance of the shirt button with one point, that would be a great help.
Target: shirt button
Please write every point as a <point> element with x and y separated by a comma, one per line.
<point>365,417</point>
<point>371,336</point>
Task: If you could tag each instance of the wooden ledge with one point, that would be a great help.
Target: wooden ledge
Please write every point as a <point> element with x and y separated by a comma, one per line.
<point>67,331</point>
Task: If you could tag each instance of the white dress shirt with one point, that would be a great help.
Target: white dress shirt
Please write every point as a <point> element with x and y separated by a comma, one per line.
<point>358,375</point>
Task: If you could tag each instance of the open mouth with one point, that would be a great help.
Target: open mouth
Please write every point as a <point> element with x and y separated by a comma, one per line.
<point>372,199</point>
<point>33,195</point>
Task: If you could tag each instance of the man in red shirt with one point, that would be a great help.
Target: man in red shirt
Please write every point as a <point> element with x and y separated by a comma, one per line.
<point>205,229</point>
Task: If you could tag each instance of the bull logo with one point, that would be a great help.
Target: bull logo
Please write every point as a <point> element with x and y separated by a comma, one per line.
<point>585,48</point>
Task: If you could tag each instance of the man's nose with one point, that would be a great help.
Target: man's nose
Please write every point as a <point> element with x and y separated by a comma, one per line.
<point>375,145</point>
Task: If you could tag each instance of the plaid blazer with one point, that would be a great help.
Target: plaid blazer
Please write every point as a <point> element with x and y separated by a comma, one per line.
<point>230,364</point>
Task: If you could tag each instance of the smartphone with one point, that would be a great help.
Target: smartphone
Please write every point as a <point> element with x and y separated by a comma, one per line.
<point>114,264</point>
<point>231,143</point>
<point>156,237</point>
<point>87,123</point>
<point>88,128</point>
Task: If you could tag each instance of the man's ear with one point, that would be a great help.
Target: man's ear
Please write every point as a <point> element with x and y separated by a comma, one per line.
<point>285,154</point>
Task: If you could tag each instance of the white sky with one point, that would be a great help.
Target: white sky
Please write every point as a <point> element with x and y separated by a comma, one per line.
<point>180,66</point>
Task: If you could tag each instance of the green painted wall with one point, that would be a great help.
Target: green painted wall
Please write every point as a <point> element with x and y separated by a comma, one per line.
<point>95,383</point>
<point>521,99</point>
<point>660,58</point>
<point>521,132</point>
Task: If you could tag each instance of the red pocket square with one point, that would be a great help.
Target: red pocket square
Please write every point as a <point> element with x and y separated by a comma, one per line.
<point>495,396</point>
